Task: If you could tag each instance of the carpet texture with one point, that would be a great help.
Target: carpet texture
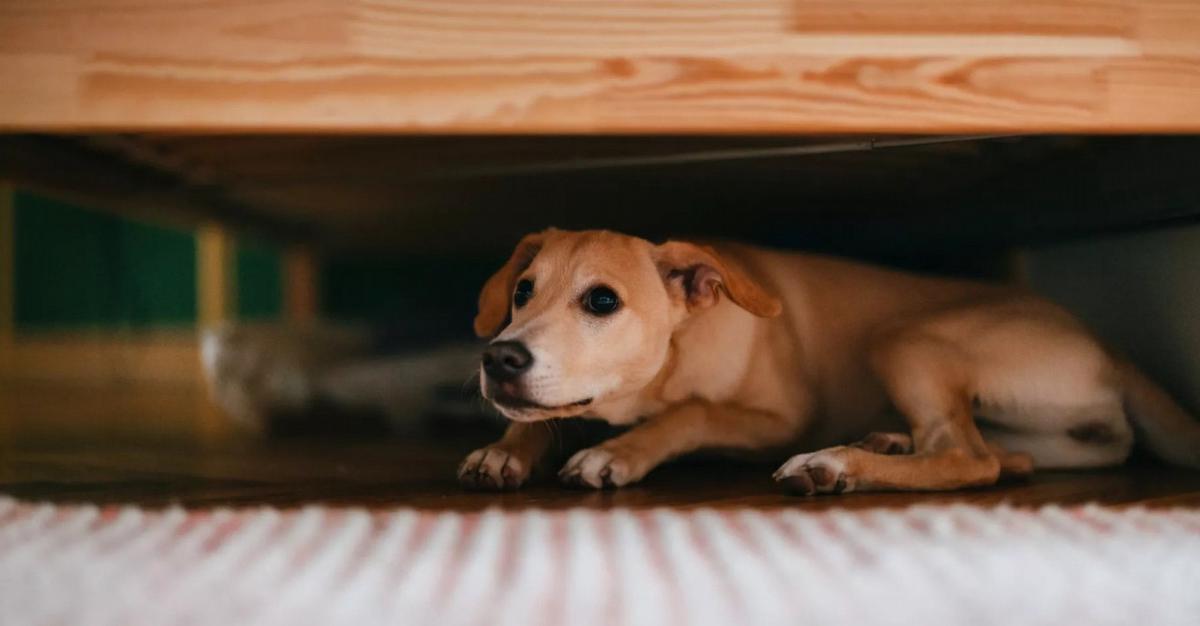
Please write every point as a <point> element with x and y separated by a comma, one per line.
<point>926,565</point>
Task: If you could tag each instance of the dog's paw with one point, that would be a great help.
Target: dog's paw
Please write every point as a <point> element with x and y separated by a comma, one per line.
<point>602,466</point>
<point>824,471</point>
<point>886,443</point>
<point>493,468</point>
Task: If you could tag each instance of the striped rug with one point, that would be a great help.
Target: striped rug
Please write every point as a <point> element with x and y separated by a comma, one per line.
<point>80,565</point>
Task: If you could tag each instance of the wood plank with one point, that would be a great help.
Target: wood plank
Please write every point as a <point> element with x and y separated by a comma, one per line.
<point>216,304</point>
<point>62,413</point>
<point>1032,17</point>
<point>104,360</point>
<point>138,444</point>
<point>216,276</point>
<point>301,285</point>
<point>602,66</point>
<point>420,473</point>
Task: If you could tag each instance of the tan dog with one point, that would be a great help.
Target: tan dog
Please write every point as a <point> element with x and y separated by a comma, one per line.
<point>943,383</point>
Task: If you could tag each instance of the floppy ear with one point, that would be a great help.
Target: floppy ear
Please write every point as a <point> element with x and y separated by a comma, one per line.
<point>495,298</point>
<point>700,274</point>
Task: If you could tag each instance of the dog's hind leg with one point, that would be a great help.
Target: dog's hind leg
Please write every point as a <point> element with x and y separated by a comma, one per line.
<point>926,379</point>
<point>1012,464</point>
<point>1075,449</point>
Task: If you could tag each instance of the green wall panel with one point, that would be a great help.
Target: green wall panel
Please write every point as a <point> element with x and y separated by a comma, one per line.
<point>259,280</point>
<point>76,268</point>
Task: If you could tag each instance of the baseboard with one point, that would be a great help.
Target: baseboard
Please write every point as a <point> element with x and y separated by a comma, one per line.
<point>104,358</point>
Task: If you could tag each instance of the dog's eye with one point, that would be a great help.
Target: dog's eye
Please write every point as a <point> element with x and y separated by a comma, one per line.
<point>601,301</point>
<point>523,293</point>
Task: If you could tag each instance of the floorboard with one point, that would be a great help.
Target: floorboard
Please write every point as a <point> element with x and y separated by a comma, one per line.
<point>418,472</point>
<point>94,465</point>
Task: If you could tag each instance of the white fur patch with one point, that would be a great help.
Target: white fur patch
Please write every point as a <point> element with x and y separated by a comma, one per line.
<point>827,459</point>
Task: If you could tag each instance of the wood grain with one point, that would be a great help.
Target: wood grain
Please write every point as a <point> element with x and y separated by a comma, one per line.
<point>500,66</point>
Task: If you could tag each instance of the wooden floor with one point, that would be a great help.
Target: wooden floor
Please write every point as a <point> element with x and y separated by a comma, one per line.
<point>116,448</point>
<point>418,472</point>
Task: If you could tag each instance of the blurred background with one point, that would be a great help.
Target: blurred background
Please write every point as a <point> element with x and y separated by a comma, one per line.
<point>109,277</point>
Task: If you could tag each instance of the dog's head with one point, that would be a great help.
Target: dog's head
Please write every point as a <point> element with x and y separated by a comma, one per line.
<point>590,317</point>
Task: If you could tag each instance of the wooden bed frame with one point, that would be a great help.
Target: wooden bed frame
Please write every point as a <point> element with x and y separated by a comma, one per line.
<point>414,107</point>
<point>601,66</point>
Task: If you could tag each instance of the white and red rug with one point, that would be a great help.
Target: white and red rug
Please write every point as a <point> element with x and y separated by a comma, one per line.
<point>79,565</point>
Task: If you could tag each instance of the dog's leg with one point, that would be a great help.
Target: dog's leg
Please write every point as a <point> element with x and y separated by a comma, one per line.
<point>507,463</point>
<point>927,380</point>
<point>1062,451</point>
<point>679,430</point>
<point>885,443</point>
<point>1012,464</point>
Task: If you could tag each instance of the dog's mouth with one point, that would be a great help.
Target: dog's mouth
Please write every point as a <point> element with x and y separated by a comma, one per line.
<point>509,399</point>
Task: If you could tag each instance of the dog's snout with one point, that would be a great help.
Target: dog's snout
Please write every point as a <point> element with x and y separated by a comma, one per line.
<point>506,360</point>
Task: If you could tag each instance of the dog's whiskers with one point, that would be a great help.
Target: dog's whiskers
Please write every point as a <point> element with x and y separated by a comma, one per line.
<point>472,380</point>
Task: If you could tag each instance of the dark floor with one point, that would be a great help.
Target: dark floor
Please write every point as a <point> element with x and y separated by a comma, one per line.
<point>158,447</point>
<point>419,472</point>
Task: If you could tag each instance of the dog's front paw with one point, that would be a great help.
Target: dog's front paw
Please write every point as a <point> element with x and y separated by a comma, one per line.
<point>824,471</point>
<point>493,468</point>
<point>602,466</point>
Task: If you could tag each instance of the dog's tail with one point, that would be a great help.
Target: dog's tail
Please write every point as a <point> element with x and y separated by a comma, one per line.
<point>1165,427</point>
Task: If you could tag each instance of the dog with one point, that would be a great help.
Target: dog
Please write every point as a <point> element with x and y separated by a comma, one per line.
<point>887,380</point>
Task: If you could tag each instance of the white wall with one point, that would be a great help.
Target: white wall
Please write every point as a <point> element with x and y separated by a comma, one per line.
<point>1140,292</point>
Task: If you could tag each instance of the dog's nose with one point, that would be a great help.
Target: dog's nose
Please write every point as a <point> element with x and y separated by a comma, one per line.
<point>505,360</point>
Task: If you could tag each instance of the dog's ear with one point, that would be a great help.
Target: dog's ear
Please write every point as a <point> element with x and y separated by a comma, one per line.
<point>496,296</point>
<point>699,274</point>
